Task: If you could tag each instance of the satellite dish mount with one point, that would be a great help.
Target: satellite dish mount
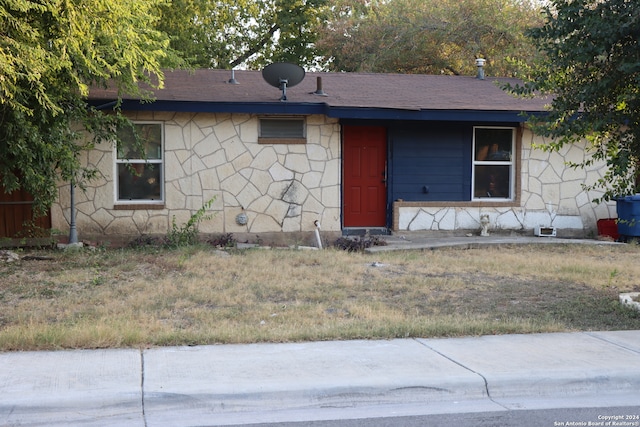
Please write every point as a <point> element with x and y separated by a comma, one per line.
<point>283,86</point>
<point>283,75</point>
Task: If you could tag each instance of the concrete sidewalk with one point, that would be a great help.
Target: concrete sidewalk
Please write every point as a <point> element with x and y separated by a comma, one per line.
<point>244,384</point>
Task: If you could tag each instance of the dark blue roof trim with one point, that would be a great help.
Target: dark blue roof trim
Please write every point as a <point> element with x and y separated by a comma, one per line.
<point>291,108</point>
<point>428,115</point>
<point>207,107</point>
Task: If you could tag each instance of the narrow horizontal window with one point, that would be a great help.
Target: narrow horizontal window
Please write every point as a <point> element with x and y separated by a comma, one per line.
<point>282,130</point>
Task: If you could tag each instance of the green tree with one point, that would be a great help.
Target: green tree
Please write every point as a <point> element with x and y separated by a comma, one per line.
<point>51,52</point>
<point>591,67</point>
<point>249,33</point>
<point>417,36</point>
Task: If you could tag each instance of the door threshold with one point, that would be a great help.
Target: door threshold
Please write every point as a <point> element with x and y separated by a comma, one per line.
<point>361,231</point>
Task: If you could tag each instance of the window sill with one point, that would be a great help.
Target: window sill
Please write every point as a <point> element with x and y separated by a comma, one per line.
<point>466,204</point>
<point>282,140</point>
<point>138,206</point>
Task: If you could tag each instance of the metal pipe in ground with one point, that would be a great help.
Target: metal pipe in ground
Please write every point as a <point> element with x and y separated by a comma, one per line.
<point>318,240</point>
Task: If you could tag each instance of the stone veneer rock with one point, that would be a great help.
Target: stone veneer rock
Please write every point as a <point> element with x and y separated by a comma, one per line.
<point>280,187</point>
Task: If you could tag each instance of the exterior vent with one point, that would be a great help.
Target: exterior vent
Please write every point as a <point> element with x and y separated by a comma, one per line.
<point>480,64</point>
<point>319,90</point>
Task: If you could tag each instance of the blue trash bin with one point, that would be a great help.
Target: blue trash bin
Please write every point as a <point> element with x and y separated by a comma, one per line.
<point>628,216</point>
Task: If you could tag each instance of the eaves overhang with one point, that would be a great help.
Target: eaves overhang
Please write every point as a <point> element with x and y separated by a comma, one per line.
<point>338,112</point>
<point>281,108</point>
<point>431,115</point>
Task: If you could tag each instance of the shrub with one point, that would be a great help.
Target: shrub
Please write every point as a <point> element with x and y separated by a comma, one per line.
<point>223,241</point>
<point>187,234</point>
<point>358,244</point>
<point>144,241</point>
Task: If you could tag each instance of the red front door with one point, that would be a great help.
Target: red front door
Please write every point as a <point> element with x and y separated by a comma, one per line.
<point>365,188</point>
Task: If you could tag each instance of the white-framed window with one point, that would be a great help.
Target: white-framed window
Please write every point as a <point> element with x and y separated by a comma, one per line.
<point>493,170</point>
<point>140,176</point>
<point>282,130</point>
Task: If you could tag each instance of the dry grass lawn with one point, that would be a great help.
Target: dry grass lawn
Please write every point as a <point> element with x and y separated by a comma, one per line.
<point>198,295</point>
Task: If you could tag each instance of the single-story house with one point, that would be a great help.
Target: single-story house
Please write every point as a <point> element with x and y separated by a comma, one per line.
<point>344,151</point>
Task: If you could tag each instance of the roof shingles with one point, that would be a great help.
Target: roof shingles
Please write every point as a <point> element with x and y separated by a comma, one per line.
<point>343,90</point>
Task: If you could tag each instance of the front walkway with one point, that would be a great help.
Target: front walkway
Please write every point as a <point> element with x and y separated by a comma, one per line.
<point>429,241</point>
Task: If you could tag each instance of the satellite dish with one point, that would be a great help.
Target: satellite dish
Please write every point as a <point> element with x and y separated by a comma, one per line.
<point>283,75</point>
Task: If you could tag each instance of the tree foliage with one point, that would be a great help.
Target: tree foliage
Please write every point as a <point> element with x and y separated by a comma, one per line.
<point>592,68</point>
<point>431,37</point>
<point>250,33</point>
<point>51,51</point>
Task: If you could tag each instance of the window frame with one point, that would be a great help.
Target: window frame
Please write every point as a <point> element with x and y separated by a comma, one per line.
<point>301,139</point>
<point>159,163</point>
<point>511,163</point>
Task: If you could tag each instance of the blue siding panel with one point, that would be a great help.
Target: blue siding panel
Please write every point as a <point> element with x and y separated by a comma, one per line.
<point>431,162</point>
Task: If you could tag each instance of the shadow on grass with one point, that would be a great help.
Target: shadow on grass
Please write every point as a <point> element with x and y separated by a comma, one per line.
<point>577,307</point>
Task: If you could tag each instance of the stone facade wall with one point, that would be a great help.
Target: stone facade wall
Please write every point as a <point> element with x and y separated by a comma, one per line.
<point>284,188</point>
<point>280,187</point>
<point>551,194</point>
